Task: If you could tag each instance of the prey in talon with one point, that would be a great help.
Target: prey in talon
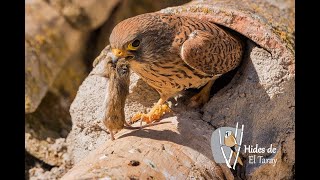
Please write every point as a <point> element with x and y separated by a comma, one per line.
<point>118,90</point>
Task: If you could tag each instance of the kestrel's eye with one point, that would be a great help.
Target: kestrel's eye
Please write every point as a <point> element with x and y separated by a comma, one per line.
<point>134,45</point>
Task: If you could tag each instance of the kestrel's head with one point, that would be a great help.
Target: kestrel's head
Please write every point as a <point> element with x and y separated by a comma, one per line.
<point>141,38</point>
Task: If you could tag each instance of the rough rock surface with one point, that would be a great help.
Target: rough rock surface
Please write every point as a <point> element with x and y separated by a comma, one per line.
<point>50,42</point>
<point>52,120</point>
<point>38,173</point>
<point>54,56</point>
<point>56,32</point>
<point>268,117</point>
<point>84,15</point>
<point>179,150</point>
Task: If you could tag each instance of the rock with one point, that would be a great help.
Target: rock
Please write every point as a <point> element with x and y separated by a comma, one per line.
<point>38,173</point>
<point>284,168</point>
<point>56,32</point>
<point>51,161</point>
<point>50,42</point>
<point>30,162</point>
<point>67,82</point>
<point>85,15</point>
<point>268,114</point>
<point>52,121</point>
<point>44,150</point>
<point>177,150</point>
<point>269,23</point>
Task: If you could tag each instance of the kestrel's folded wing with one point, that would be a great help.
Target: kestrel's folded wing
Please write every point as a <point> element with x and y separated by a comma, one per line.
<point>211,53</point>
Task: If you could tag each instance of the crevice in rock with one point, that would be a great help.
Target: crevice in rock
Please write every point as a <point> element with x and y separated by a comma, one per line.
<point>31,161</point>
<point>219,84</point>
<point>42,128</point>
<point>226,78</point>
<point>223,81</point>
<point>210,124</point>
<point>54,122</point>
<point>92,44</point>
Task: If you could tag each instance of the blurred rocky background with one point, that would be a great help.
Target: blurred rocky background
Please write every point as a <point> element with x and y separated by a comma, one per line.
<point>63,103</point>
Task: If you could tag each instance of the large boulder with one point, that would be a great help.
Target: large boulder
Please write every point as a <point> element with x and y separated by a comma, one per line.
<point>177,150</point>
<point>56,32</point>
<point>51,121</point>
<point>50,42</point>
<point>85,15</point>
<point>263,100</point>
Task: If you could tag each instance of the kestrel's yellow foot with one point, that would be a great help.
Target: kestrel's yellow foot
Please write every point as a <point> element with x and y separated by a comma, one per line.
<point>155,114</point>
<point>198,100</point>
<point>202,97</point>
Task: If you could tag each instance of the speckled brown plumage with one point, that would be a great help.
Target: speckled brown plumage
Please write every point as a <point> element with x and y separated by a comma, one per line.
<point>176,53</point>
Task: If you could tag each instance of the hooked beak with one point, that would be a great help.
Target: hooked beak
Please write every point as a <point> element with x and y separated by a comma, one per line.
<point>116,54</point>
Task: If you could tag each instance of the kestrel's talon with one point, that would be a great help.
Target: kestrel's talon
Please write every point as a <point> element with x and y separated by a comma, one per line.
<point>198,100</point>
<point>155,114</point>
<point>202,97</point>
<point>136,117</point>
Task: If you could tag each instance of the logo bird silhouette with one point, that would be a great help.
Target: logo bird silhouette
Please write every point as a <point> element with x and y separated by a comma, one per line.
<point>230,141</point>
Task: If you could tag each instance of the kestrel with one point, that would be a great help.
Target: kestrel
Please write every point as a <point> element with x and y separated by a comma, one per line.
<point>172,53</point>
